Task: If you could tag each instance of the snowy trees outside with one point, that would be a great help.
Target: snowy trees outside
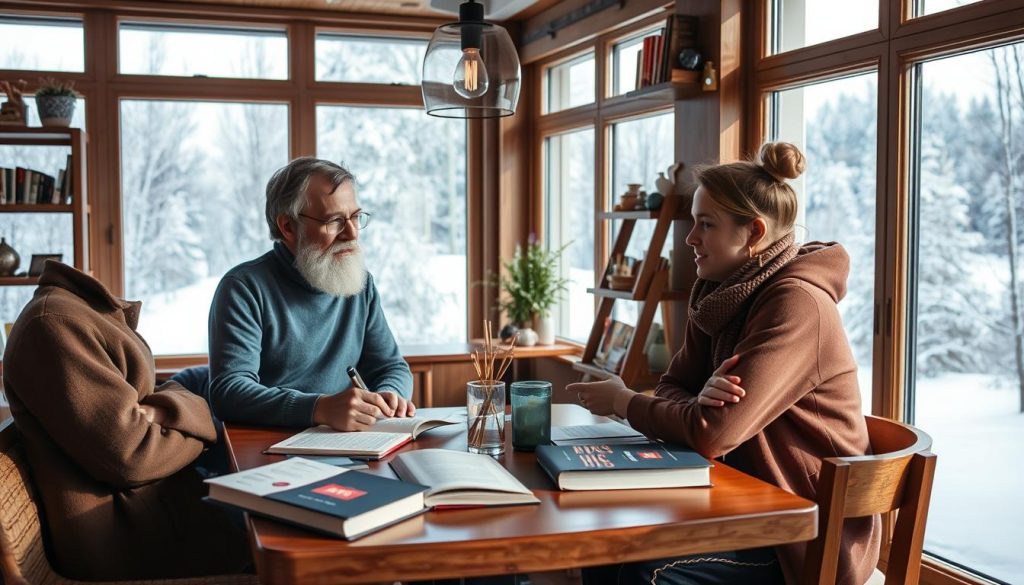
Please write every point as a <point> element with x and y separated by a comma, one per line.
<point>194,194</point>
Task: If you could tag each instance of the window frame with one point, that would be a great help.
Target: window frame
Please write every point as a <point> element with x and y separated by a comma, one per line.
<point>899,42</point>
<point>601,114</point>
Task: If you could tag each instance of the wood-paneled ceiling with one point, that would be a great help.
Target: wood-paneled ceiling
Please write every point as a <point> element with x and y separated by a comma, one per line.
<point>418,8</point>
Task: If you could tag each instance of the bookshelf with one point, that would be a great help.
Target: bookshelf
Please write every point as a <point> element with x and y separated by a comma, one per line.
<point>650,289</point>
<point>76,139</point>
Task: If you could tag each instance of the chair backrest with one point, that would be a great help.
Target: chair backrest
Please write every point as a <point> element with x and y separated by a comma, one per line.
<point>22,556</point>
<point>898,476</point>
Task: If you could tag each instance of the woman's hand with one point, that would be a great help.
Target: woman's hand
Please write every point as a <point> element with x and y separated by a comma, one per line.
<point>602,398</point>
<point>722,387</point>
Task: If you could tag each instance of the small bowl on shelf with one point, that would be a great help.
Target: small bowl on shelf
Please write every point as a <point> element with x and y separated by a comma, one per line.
<point>616,282</point>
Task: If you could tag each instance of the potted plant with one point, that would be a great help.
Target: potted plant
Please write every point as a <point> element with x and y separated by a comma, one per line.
<point>56,102</point>
<point>530,287</point>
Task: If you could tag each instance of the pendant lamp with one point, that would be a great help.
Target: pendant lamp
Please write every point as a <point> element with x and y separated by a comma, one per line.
<point>471,69</point>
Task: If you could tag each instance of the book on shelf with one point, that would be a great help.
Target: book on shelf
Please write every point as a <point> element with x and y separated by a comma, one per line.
<point>315,495</point>
<point>621,467</point>
<point>659,52</point>
<point>612,349</point>
<point>460,479</point>
<point>25,186</point>
<point>384,437</point>
<point>610,432</point>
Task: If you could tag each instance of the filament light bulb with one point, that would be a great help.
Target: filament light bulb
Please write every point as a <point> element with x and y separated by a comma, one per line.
<point>471,78</point>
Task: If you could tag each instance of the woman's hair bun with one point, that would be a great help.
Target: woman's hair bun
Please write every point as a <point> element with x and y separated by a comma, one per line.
<point>782,160</point>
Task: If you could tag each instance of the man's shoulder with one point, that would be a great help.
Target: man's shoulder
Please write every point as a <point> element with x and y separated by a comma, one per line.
<point>255,270</point>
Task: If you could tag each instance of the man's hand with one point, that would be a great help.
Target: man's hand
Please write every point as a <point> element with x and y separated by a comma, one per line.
<point>351,410</point>
<point>721,387</point>
<point>602,398</point>
<point>400,406</point>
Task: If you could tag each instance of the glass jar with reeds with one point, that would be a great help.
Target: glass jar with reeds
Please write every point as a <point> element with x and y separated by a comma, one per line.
<point>485,396</point>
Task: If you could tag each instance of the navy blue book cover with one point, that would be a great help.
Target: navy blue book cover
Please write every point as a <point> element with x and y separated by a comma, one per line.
<point>559,458</point>
<point>348,494</point>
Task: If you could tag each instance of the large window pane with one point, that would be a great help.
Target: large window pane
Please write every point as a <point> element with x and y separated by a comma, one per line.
<point>624,63</point>
<point>410,171</point>
<point>923,7</point>
<point>569,222</point>
<point>41,44</point>
<point>966,386</point>
<point>570,84</point>
<point>194,51</point>
<point>641,148</point>
<point>802,23</point>
<point>193,183</point>
<point>369,59</point>
<point>834,124</point>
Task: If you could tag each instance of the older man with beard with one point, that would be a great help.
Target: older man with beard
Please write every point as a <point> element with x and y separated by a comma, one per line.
<point>285,327</point>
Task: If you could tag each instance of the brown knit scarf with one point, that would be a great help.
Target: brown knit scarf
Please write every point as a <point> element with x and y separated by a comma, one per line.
<point>720,308</point>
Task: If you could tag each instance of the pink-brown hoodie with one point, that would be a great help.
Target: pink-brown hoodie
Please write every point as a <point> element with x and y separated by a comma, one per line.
<point>802,402</point>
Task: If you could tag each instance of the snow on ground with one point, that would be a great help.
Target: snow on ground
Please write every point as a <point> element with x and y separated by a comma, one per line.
<point>976,516</point>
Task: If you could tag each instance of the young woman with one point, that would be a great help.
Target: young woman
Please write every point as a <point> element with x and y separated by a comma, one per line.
<point>765,377</point>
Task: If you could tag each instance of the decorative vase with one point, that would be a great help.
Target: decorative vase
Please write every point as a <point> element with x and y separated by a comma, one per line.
<point>665,186</point>
<point>56,110</point>
<point>544,325</point>
<point>654,201</point>
<point>630,198</point>
<point>9,258</point>
<point>527,337</point>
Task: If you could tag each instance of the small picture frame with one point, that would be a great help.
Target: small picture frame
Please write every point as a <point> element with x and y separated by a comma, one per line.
<point>35,268</point>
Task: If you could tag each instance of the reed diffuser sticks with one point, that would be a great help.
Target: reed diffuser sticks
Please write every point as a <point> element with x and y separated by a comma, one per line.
<point>491,362</point>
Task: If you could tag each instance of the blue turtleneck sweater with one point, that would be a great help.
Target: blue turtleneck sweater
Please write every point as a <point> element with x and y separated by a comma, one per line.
<point>277,344</point>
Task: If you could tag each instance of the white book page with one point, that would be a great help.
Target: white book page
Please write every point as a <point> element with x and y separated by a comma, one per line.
<point>276,477</point>
<point>423,421</point>
<point>324,438</point>
<point>444,470</point>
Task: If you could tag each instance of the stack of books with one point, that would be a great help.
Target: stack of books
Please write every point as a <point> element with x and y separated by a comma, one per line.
<point>656,61</point>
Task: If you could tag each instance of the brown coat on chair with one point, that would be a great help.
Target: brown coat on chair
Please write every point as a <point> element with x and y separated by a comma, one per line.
<point>119,497</point>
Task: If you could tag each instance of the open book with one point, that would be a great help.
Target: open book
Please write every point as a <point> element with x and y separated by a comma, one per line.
<point>458,478</point>
<point>382,438</point>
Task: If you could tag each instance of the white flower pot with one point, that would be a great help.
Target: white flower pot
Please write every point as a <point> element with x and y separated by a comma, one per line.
<point>545,328</point>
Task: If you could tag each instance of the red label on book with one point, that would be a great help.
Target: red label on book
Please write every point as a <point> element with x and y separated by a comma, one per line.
<point>649,455</point>
<point>339,492</point>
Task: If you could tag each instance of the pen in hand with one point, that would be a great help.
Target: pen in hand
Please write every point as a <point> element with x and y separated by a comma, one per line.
<point>358,382</point>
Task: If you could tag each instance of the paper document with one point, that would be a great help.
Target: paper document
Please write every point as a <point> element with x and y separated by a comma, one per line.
<point>611,432</point>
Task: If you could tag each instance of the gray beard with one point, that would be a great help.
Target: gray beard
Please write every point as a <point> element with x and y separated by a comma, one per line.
<point>343,276</point>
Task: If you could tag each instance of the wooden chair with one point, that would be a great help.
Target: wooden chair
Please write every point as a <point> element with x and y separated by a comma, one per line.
<point>22,557</point>
<point>897,477</point>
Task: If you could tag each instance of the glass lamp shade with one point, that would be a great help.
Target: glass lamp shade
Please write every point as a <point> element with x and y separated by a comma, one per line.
<point>444,63</point>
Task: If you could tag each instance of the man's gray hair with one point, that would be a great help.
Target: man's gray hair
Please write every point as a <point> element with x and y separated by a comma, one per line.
<point>287,187</point>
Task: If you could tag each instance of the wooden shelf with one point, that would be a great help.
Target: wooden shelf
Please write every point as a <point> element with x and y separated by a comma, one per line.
<point>668,295</point>
<point>36,208</point>
<point>19,280</point>
<point>686,84</point>
<point>29,135</point>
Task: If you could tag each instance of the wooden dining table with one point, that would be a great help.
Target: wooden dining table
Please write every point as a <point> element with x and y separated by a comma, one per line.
<point>566,530</point>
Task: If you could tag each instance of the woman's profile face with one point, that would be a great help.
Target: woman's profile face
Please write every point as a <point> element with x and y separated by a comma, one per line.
<point>719,244</point>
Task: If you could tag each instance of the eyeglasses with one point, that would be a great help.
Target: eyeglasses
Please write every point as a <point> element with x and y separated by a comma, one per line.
<point>336,225</point>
